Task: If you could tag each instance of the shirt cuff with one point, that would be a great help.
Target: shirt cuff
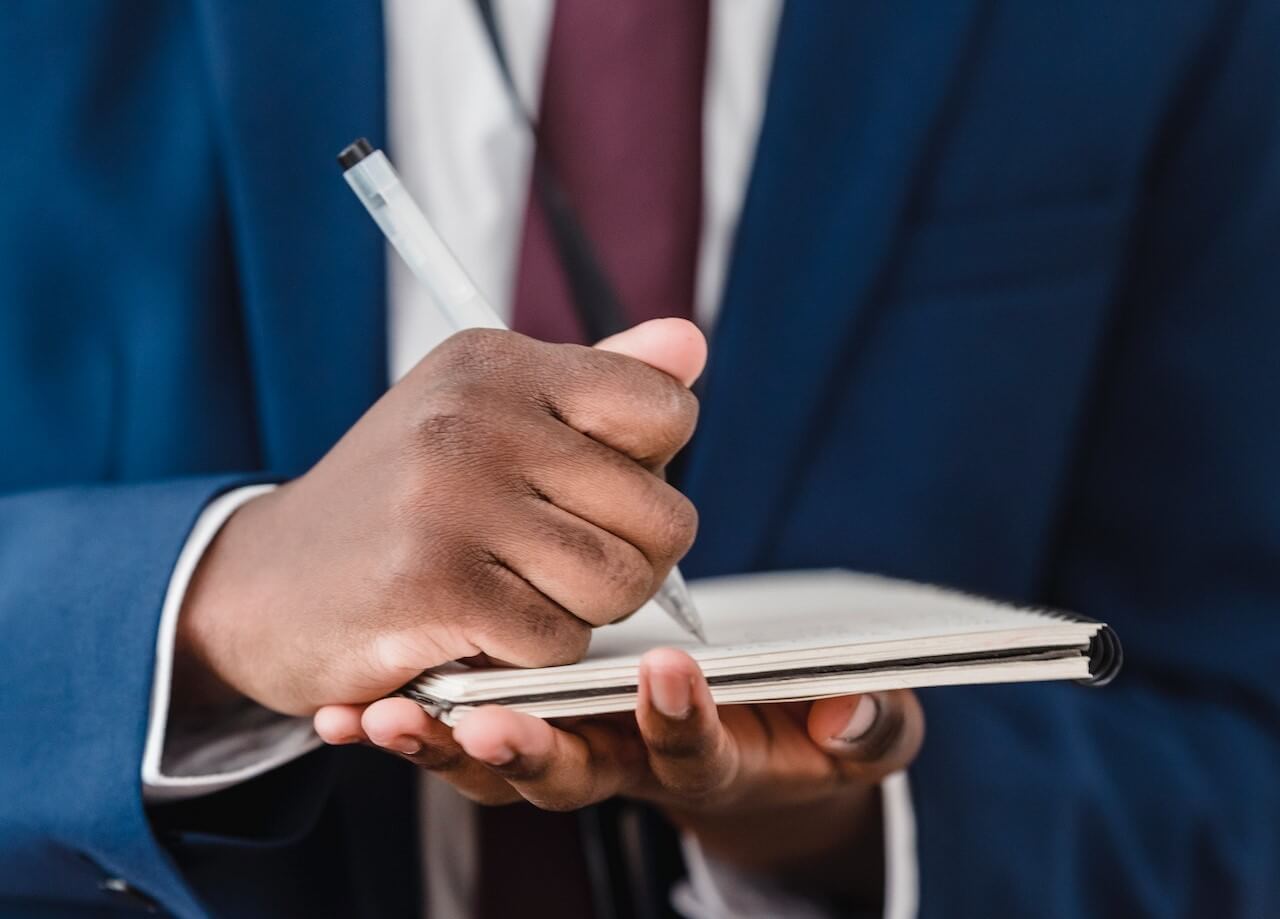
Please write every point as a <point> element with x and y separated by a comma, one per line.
<point>714,890</point>
<point>182,760</point>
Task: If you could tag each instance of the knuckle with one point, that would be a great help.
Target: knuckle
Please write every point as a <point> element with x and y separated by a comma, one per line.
<point>466,359</point>
<point>449,428</point>
<point>473,375</point>
<point>477,572</point>
<point>584,546</point>
<point>677,415</point>
<point>679,746</point>
<point>690,762</point>
<point>511,619</point>
<point>685,410</point>
<point>553,636</point>
<point>524,769</point>
<point>683,524</point>
<point>444,420</point>
<point>677,525</point>
<point>629,581</point>
<point>572,647</point>
<point>478,350</point>
<point>618,575</point>
<point>437,760</point>
<point>651,412</point>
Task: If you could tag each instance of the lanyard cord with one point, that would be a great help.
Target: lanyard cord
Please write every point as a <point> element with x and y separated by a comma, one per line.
<point>600,313</point>
<point>595,299</point>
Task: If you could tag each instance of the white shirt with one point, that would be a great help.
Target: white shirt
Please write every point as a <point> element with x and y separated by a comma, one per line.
<point>466,156</point>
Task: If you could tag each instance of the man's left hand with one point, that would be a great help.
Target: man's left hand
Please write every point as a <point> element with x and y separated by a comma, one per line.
<point>786,789</point>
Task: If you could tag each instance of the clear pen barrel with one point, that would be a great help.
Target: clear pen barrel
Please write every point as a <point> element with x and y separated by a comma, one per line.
<point>378,187</point>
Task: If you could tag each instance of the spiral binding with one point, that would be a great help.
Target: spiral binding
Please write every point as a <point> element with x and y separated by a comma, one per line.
<point>1106,656</point>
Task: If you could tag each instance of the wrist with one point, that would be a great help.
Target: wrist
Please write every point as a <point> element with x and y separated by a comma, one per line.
<point>212,660</point>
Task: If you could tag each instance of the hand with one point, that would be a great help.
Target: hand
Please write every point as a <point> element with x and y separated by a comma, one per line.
<point>742,778</point>
<point>501,500</point>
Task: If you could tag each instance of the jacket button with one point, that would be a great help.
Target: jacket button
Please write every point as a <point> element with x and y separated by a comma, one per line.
<point>125,893</point>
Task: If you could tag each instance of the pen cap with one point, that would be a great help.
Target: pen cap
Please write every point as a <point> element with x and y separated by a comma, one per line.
<point>354,152</point>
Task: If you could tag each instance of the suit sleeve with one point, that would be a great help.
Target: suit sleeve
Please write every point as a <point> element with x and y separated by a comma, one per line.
<point>188,757</point>
<point>83,572</point>
<point>1157,796</point>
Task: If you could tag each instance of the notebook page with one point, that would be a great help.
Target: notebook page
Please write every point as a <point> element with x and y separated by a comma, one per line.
<point>768,618</point>
<point>807,609</point>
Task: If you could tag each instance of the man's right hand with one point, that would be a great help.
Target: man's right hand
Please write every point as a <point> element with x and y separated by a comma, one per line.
<point>501,500</point>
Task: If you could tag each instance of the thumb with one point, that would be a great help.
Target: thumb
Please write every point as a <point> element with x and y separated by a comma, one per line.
<point>868,736</point>
<point>674,346</point>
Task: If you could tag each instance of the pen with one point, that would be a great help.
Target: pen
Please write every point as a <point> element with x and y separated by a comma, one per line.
<point>377,185</point>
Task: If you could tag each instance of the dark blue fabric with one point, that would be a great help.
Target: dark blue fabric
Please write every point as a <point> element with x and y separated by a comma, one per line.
<point>1002,313</point>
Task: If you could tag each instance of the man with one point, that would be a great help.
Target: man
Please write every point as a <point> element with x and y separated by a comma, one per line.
<point>998,312</point>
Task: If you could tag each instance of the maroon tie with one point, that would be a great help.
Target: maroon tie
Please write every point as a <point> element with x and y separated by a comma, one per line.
<point>620,125</point>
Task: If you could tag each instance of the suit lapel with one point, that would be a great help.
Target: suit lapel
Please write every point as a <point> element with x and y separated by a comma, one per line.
<point>293,85</point>
<point>855,94</point>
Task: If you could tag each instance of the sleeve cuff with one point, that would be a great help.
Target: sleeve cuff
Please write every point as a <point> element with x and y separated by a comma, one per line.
<point>901,860</point>
<point>183,761</point>
<point>714,890</point>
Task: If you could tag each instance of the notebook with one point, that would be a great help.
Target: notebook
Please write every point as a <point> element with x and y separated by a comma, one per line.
<point>799,635</point>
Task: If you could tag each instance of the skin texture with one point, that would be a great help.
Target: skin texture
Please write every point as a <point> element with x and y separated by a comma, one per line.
<point>498,503</point>
<point>501,500</point>
<point>787,790</point>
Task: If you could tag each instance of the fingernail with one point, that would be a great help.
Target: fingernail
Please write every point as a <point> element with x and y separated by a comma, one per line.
<point>670,693</point>
<point>406,745</point>
<point>860,722</point>
<point>498,756</point>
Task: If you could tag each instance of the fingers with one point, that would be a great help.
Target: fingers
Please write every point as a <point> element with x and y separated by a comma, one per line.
<point>583,568</point>
<point>511,619</point>
<point>339,724</point>
<point>689,751</point>
<point>608,395</point>
<point>509,569</point>
<point>600,532</point>
<point>400,726</point>
<point>554,768</point>
<point>617,494</point>
<point>674,346</point>
<point>869,736</point>
<point>615,399</point>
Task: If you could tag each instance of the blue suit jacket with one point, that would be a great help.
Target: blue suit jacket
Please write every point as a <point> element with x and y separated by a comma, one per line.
<point>1003,313</point>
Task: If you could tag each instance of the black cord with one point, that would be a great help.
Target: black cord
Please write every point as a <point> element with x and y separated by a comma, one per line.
<point>595,298</point>
<point>599,309</point>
